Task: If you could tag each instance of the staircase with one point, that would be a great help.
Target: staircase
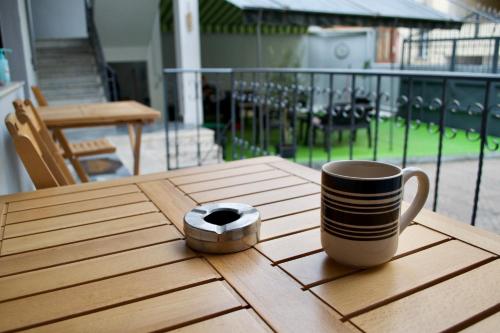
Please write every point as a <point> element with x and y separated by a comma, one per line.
<point>67,72</point>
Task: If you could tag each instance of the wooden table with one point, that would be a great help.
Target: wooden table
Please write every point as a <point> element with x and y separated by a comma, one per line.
<point>132,113</point>
<point>109,257</point>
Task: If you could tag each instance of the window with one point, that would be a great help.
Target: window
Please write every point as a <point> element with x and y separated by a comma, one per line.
<point>386,44</point>
<point>423,44</point>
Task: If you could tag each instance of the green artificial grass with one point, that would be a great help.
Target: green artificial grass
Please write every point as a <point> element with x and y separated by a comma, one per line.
<point>421,144</point>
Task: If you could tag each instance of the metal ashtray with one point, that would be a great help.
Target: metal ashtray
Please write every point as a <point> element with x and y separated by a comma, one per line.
<point>222,227</point>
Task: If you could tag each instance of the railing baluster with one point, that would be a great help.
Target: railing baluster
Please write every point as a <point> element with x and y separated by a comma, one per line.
<point>217,118</point>
<point>408,120</point>
<point>330,120</point>
<point>484,133</point>
<point>378,97</point>
<point>176,119</point>
<point>167,119</point>
<point>311,116</point>
<point>254,112</point>
<point>351,115</point>
<point>242,118</point>
<point>442,119</point>
<point>233,116</point>
<point>279,89</point>
<point>197,78</point>
<point>294,115</point>
<point>267,118</point>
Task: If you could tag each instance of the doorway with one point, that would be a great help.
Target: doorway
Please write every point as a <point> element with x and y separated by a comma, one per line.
<point>132,81</point>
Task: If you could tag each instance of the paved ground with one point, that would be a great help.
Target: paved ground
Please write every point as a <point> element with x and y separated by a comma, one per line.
<point>456,191</point>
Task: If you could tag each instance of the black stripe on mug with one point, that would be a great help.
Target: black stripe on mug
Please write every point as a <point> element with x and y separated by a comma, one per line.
<point>367,186</point>
<point>359,229</point>
<point>361,209</point>
<point>361,234</point>
<point>360,219</point>
<point>378,197</point>
<point>361,205</point>
<point>339,235</point>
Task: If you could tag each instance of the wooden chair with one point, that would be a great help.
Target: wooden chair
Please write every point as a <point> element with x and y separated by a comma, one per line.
<point>71,151</point>
<point>40,98</point>
<point>42,166</point>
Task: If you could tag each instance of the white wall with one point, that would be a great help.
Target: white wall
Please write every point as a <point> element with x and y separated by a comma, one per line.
<point>155,67</point>
<point>59,18</point>
<point>15,35</point>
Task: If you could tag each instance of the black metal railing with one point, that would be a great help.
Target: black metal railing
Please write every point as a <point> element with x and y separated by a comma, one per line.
<point>106,73</point>
<point>255,112</point>
<point>464,54</point>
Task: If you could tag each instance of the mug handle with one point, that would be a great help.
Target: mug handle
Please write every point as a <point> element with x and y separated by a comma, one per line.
<point>420,197</point>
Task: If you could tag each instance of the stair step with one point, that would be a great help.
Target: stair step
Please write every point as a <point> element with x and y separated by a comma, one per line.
<point>74,92</point>
<point>77,101</point>
<point>62,43</point>
<point>70,81</point>
<point>68,68</point>
<point>67,71</point>
<point>50,62</point>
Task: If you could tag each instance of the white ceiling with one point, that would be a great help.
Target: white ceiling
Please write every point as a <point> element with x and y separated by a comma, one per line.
<point>125,23</point>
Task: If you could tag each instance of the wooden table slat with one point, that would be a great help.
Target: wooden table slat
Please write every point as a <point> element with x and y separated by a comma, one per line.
<point>245,189</point>
<point>77,219</point>
<point>97,114</point>
<point>93,269</point>
<point>160,192</point>
<point>80,233</point>
<point>71,197</point>
<point>318,267</point>
<point>365,289</point>
<point>283,226</point>
<point>447,304</point>
<point>288,247</point>
<point>274,295</point>
<point>96,295</point>
<point>222,166</point>
<point>75,207</point>
<point>203,177</point>
<point>267,197</point>
<point>487,325</point>
<point>291,206</point>
<point>68,253</point>
<point>163,312</point>
<point>241,321</point>
<point>232,181</point>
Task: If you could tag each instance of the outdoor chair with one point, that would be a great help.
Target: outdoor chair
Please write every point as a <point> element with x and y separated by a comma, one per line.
<point>340,122</point>
<point>40,98</point>
<point>45,168</point>
<point>72,151</point>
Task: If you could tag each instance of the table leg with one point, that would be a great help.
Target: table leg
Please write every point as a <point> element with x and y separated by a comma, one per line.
<point>137,150</point>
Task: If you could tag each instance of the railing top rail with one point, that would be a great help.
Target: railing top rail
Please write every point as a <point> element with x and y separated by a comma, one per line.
<point>367,72</point>
<point>449,39</point>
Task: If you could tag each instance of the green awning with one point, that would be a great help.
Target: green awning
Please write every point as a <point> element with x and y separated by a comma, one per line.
<point>295,16</point>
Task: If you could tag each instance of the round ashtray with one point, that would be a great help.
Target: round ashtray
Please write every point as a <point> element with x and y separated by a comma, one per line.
<point>222,227</point>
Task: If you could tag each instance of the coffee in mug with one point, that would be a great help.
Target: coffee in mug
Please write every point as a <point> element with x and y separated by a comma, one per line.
<point>361,210</point>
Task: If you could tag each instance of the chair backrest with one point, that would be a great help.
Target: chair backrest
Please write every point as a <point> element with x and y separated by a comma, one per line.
<point>31,151</point>
<point>27,113</point>
<point>40,98</point>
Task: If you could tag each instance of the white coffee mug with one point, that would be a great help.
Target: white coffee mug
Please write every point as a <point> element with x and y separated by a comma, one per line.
<point>361,210</point>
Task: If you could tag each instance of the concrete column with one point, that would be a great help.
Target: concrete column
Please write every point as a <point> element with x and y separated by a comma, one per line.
<point>187,55</point>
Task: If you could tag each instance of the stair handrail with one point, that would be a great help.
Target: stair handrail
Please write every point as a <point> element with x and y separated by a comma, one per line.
<point>101,63</point>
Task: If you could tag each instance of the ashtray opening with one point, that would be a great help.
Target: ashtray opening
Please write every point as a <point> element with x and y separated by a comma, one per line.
<point>222,216</point>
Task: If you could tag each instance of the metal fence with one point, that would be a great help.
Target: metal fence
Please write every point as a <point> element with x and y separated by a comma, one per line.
<point>255,112</point>
<point>465,54</point>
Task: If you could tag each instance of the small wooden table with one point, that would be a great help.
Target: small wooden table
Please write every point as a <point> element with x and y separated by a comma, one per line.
<point>132,113</point>
<point>110,257</point>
